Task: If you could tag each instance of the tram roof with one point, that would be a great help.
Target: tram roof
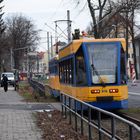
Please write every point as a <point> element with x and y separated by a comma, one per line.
<point>75,45</point>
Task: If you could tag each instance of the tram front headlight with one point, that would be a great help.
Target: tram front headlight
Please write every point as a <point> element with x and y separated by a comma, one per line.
<point>113,90</point>
<point>94,91</point>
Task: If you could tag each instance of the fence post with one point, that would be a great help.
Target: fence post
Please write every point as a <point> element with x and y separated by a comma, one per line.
<point>81,118</point>
<point>65,102</point>
<point>99,125</point>
<point>75,109</point>
<point>69,110</point>
<point>62,103</point>
<point>89,126</point>
<point>130,133</point>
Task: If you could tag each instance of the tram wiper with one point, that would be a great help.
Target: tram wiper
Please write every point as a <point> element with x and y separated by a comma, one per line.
<point>96,72</point>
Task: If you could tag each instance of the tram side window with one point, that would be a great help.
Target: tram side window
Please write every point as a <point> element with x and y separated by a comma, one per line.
<point>71,71</point>
<point>66,71</point>
<point>56,68</point>
<point>81,79</point>
<point>61,76</point>
<point>123,68</point>
<point>53,68</point>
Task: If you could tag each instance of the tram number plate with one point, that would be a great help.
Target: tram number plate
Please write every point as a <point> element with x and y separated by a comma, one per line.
<point>104,98</point>
<point>104,91</point>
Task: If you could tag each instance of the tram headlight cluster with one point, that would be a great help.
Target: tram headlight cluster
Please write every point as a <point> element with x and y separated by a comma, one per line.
<point>113,90</point>
<point>95,91</point>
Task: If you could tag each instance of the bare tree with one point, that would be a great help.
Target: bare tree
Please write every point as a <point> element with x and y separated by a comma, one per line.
<point>132,7</point>
<point>2,28</point>
<point>113,15</point>
<point>22,37</point>
<point>106,10</point>
<point>120,13</point>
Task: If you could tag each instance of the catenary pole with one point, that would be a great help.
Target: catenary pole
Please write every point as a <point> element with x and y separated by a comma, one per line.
<point>48,46</point>
<point>69,25</point>
<point>51,46</point>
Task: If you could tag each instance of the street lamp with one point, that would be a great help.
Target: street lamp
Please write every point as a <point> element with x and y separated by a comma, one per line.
<point>11,54</point>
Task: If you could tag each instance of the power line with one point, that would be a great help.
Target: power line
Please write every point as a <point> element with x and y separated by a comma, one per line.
<point>50,27</point>
<point>62,31</point>
<point>61,2</point>
<point>81,10</point>
<point>70,7</point>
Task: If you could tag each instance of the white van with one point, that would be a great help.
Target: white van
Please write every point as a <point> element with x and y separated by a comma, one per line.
<point>10,76</point>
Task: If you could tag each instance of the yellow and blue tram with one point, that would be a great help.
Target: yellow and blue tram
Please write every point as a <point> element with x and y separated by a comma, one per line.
<point>92,70</point>
<point>54,77</point>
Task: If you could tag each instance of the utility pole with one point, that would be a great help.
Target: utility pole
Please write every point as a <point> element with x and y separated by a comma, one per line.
<point>51,46</point>
<point>48,42</point>
<point>68,21</point>
<point>11,54</point>
<point>69,26</point>
<point>56,38</point>
<point>37,64</point>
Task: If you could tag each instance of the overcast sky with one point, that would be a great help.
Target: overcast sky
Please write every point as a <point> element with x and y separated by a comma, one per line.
<point>48,11</point>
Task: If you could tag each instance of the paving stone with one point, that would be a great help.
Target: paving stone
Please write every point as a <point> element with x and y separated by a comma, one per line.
<point>16,123</point>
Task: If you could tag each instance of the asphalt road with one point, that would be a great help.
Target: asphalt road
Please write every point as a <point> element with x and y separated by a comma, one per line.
<point>134,95</point>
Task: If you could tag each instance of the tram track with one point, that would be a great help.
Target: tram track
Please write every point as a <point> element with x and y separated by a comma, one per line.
<point>121,130</point>
<point>129,118</point>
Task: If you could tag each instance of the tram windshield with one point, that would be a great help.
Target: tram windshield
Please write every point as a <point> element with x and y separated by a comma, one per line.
<point>104,59</point>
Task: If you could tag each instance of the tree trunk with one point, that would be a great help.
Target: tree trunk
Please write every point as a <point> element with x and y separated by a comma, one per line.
<point>92,12</point>
<point>133,43</point>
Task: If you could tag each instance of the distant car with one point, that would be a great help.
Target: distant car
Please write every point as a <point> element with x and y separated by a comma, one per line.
<point>10,76</point>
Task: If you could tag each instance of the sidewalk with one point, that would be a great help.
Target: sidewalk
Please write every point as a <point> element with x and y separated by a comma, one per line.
<point>16,123</point>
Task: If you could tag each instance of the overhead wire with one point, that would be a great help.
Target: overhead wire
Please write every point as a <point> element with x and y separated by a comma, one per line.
<point>81,10</point>
<point>56,11</point>
<point>70,6</point>
<point>61,2</point>
<point>62,31</point>
<point>82,7</point>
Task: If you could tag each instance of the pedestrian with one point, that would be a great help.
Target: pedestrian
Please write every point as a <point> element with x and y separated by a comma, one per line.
<point>5,82</point>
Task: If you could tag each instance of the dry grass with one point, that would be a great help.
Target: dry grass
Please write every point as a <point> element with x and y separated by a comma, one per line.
<point>30,95</point>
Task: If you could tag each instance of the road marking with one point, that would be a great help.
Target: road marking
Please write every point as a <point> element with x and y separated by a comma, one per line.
<point>134,93</point>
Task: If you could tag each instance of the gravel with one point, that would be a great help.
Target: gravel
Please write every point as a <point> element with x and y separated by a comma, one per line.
<point>55,127</point>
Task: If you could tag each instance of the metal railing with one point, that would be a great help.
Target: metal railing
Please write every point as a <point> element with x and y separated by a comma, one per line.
<point>37,86</point>
<point>71,107</point>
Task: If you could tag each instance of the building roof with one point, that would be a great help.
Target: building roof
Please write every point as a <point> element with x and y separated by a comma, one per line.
<point>41,55</point>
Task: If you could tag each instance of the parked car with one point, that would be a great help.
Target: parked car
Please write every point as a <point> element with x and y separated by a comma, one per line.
<point>10,76</point>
